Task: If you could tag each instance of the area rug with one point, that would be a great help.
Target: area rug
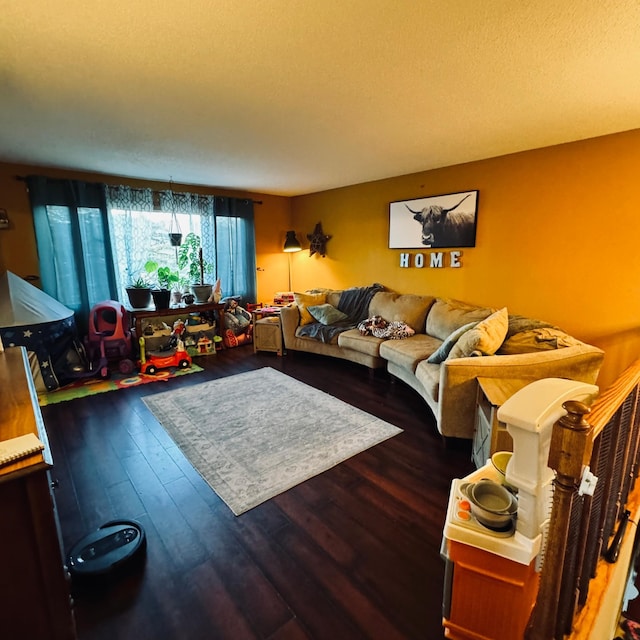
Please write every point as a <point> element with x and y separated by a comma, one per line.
<point>254,435</point>
<point>91,386</point>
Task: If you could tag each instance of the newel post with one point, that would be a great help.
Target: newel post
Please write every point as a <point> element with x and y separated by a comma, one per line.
<point>569,452</point>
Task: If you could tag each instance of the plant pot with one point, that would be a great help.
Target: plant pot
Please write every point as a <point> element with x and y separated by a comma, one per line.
<point>201,291</point>
<point>161,298</point>
<point>175,239</point>
<point>176,298</point>
<point>139,298</point>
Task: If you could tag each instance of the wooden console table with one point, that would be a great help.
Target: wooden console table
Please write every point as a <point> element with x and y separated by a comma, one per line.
<point>35,600</point>
<point>138,315</point>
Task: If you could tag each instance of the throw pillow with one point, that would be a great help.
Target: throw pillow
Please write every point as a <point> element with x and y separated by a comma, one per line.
<point>485,338</point>
<point>447,315</point>
<point>445,348</point>
<point>327,313</point>
<point>304,301</point>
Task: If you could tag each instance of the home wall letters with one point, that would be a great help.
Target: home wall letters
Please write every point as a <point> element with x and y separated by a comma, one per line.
<point>436,260</point>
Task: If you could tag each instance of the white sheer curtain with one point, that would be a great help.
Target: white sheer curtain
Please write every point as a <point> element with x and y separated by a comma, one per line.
<point>139,225</point>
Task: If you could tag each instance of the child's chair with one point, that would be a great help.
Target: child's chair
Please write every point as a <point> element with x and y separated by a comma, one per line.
<point>109,332</point>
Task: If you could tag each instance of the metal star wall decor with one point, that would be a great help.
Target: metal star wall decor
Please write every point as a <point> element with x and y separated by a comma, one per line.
<point>318,241</point>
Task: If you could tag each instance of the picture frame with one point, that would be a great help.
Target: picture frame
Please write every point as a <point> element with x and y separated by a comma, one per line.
<point>438,222</point>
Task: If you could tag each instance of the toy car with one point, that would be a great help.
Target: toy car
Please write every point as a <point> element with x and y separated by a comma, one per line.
<point>149,363</point>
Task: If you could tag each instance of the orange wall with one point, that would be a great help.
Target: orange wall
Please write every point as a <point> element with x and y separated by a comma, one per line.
<point>557,239</point>
<point>18,248</point>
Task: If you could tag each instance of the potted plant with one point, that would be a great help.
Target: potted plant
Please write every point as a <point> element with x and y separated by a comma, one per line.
<point>190,257</point>
<point>139,293</point>
<point>165,278</point>
<point>179,289</point>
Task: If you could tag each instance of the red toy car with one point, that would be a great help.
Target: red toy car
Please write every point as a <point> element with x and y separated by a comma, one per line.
<point>149,363</point>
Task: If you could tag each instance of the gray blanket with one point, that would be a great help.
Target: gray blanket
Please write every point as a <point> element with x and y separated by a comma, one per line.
<point>355,303</point>
<point>520,323</point>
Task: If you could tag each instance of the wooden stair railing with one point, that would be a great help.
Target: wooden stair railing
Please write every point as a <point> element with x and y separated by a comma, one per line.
<point>582,527</point>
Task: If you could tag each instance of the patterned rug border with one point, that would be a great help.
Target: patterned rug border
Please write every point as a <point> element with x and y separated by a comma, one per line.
<point>94,386</point>
<point>254,435</point>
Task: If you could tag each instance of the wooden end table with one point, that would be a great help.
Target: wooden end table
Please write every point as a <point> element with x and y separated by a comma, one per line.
<point>267,330</point>
<point>490,434</point>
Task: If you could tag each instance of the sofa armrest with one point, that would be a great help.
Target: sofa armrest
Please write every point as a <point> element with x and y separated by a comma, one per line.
<point>458,386</point>
<point>289,321</point>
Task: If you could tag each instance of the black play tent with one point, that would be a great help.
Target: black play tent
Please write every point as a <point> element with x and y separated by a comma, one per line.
<point>31,318</point>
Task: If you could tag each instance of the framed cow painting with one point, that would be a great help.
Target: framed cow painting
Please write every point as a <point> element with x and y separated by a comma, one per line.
<point>444,221</point>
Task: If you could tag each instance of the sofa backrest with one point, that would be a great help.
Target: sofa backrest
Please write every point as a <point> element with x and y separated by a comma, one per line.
<point>333,297</point>
<point>402,307</point>
<point>447,315</point>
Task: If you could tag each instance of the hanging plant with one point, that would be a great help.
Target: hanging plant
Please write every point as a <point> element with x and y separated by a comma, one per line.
<point>175,233</point>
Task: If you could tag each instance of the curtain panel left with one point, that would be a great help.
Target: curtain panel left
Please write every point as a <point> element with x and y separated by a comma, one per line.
<point>74,247</point>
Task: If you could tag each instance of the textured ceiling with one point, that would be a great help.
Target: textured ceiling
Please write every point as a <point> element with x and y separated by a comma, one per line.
<point>295,96</point>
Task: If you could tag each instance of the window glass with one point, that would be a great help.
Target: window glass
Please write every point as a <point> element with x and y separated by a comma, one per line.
<point>140,236</point>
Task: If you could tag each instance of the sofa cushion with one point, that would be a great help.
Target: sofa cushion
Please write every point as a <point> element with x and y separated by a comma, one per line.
<point>326,313</point>
<point>407,353</point>
<point>353,339</point>
<point>333,297</point>
<point>485,338</point>
<point>305,300</point>
<point>446,315</point>
<point>445,348</point>
<point>537,340</point>
<point>428,375</point>
<point>396,307</point>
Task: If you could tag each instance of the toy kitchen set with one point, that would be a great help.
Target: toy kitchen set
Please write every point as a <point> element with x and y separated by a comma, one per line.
<point>493,558</point>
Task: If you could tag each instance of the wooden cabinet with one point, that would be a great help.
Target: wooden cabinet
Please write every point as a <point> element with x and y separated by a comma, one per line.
<point>490,434</point>
<point>35,599</point>
<point>267,334</point>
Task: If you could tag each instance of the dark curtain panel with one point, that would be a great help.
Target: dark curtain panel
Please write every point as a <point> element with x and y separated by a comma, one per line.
<point>235,247</point>
<point>74,249</point>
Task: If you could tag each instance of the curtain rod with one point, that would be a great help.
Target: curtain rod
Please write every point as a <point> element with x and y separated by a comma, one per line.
<point>24,179</point>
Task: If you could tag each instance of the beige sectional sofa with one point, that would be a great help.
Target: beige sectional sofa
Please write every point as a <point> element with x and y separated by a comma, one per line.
<point>463,342</point>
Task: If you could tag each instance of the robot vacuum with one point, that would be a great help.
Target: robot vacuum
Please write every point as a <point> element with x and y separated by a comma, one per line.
<point>113,546</point>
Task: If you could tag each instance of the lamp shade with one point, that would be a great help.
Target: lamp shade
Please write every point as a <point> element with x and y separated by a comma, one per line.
<point>291,243</point>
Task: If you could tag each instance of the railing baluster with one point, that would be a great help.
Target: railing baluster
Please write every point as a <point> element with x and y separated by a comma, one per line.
<point>570,450</point>
<point>580,532</point>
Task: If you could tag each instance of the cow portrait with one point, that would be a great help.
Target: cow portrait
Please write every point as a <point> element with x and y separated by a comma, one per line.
<point>443,221</point>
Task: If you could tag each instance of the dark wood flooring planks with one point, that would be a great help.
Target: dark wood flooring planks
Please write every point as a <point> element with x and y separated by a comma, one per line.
<point>353,553</point>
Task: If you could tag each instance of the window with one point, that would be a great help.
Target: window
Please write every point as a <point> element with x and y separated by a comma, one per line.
<point>139,236</point>
<point>94,238</point>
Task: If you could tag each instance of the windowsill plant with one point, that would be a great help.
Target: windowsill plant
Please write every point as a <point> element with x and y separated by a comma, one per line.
<point>139,293</point>
<point>190,257</point>
<point>165,279</point>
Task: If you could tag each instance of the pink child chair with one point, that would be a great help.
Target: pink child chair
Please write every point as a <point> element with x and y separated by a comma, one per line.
<point>109,332</point>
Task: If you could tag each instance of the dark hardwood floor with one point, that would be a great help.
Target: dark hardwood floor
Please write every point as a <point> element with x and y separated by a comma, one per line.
<point>352,553</point>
